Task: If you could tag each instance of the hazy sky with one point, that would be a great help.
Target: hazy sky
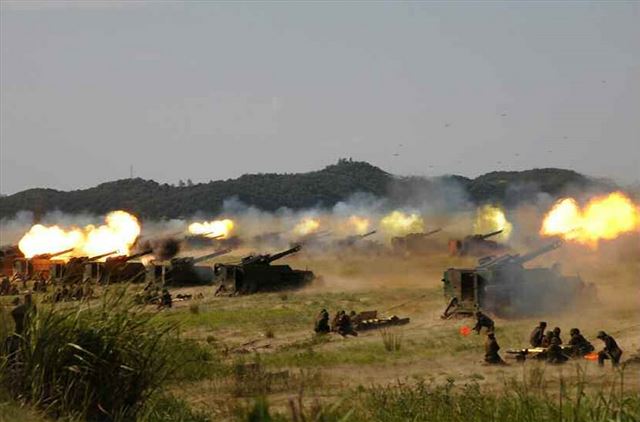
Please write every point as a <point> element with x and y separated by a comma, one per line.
<point>214,90</point>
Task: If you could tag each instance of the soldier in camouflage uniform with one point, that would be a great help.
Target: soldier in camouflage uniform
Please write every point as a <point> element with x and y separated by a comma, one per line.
<point>580,345</point>
<point>322,322</point>
<point>537,335</point>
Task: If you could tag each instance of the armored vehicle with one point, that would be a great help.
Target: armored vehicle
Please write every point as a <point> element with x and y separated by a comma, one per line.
<point>255,273</point>
<point>184,270</point>
<point>504,287</point>
<point>8,254</point>
<point>73,270</point>
<point>476,245</point>
<point>38,265</point>
<point>413,243</point>
<point>352,240</point>
<point>117,269</point>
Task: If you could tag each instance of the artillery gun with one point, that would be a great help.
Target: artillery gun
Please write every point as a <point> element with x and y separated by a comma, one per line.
<point>504,287</point>
<point>73,270</point>
<point>476,245</point>
<point>185,270</point>
<point>414,243</point>
<point>255,273</point>
<point>352,240</point>
<point>37,264</point>
<point>117,269</point>
<point>8,254</point>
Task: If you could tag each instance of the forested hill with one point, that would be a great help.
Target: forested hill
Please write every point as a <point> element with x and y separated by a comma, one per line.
<point>269,192</point>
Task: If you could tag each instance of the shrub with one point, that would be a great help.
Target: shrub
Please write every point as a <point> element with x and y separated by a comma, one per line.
<point>392,340</point>
<point>92,364</point>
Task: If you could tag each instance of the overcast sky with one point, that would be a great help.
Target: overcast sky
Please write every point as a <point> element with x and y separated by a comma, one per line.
<point>212,91</point>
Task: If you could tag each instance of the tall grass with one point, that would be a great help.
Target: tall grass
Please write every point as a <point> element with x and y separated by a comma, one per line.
<point>529,399</point>
<point>97,364</point>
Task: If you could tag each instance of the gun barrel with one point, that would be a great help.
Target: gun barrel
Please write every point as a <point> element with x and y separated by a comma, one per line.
<point>540,251</point>
<point>488,235</point>
<point>282,254</point>
<point>368,234</point>
<point>432,232</point>
<point>211,255</point>
<point>96,257</point>
<point>139,254</point>
<point>52,255</point>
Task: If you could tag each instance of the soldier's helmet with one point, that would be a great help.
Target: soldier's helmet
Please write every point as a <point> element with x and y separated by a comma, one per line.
<point>574,331</point>
<point>556,330</point>
<point>601,334</point>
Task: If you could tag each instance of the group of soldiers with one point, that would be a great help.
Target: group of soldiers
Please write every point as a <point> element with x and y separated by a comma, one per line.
<point>152,294</point>
<point>342,323</point>
<point>551,342</point>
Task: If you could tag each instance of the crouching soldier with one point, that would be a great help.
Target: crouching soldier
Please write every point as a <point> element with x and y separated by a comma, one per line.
<point>483,321</point>
<point>491,349</point>
<point>580,346</point>
<point>345,326</point>
<point>554,352</point>
<point>322,323</point>
<point>610,351</point>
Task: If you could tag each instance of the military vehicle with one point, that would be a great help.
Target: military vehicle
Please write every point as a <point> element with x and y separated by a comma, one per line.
<point>200,240</point>
<point>413,243</point>
<point>504,287</point>
<point>255,273</point>
<point>117,269</point>
<point>8,254</point>
<point>36,265</point>
<point>183,270</point>
<point>476,245</point>
<point>352,240</point>
<point>73,270</point>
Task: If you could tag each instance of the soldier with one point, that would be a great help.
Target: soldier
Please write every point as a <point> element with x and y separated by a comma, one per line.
<point>345,327</point>
<point>21,313</point>
<point>554,352</point>
<point>322,322</point>
<point>556,333</point>
<point>483,321</point>
<point>336,320</point>
<point>166,300</point>
<point>580,345</point>
<point>546,340</point>
<point>537,335</point>
<point>491,349</point>
<point>5,286</point>
<point>610,351</point>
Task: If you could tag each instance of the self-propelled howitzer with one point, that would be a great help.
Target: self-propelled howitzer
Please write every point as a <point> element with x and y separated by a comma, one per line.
<point>186,271</point>
<point>255,273</point>
<point>476,245</point>
<point>414,243</point>
<point>503,286</point>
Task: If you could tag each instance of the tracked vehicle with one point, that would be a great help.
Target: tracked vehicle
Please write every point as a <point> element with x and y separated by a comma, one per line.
<point>36,265</point>
<point>73,270</point>
<point>504,287</point>
<point>117,269</point>
<point>476,245</point>
<point>413,243</point>
<point>255,273</point>
<point>184,271</point>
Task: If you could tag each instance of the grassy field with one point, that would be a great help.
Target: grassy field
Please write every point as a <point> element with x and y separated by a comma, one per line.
<point>256,357</point>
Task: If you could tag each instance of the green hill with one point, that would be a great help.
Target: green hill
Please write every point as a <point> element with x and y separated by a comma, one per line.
<point>271,191</point>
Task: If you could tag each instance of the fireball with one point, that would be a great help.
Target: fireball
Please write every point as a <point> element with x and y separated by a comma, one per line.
<point>603,218</point>
<point>490,218</point>
<point>307,226</point>
<point>398,223</point>
<point>359,225</point>
<point>215,228</point>
<point>41,240</point>
<point>118,234</point>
